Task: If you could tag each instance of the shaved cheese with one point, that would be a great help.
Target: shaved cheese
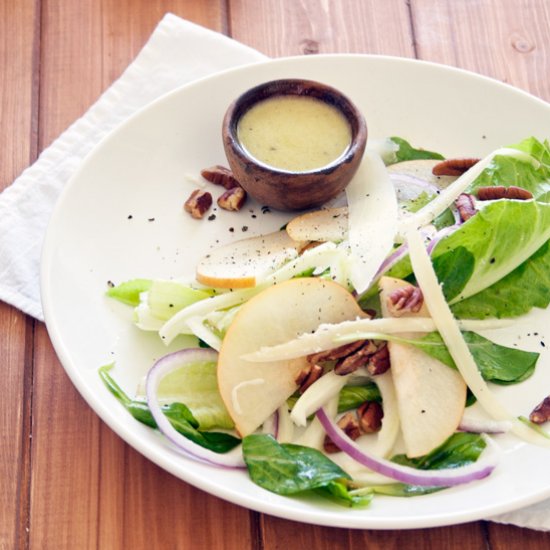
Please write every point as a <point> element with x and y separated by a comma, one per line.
<point>389,431</point>
<point>425,215</point>
<point>329,336</point>
<point>372,219</point>
<point>178,323</point>
<point>316,396</point>
<point>449,329</point>
<point>314,435</point>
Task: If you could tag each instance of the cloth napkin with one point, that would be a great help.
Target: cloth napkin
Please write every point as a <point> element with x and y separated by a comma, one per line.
<point>177,52</point>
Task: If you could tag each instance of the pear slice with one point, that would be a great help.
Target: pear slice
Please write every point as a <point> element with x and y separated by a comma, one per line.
<point>431,396</point>
<point>252,391</point>
<point>242,263</point>
<point>329,224</point>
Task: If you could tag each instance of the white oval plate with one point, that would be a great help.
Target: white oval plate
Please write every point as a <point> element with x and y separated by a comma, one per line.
<point>121,217</point>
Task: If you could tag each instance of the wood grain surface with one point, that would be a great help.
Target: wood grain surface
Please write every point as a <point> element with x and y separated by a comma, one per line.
<point>66,480</point>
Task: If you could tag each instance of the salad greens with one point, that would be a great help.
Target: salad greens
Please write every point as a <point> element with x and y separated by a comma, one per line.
<point>495,265</point>
<point>288,469</point>
<point>179,415</point>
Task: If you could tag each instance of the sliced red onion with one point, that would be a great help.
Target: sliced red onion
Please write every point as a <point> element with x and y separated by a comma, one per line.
<point>442,233</point>
<point>487,426</point>
<point>391,260</point>
<point>404,474</point>
<point>271,425</point>
<point>164,366</point>
<point>406,182</point>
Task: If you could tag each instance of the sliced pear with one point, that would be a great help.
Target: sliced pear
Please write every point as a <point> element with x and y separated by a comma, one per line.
<point>329,224</point>
<point>242,263</point>
<point>431,396</point>
<point>253,391</point>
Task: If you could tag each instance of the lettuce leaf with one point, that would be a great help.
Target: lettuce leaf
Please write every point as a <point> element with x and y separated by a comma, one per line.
<point>507,171</point>
<point>180,417</point>
<point>500,237</point>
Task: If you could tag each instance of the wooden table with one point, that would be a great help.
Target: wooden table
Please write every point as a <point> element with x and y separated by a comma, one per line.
<point>66,480</point>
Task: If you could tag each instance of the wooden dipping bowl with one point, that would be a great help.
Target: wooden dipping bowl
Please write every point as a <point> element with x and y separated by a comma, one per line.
<point>285,189</point>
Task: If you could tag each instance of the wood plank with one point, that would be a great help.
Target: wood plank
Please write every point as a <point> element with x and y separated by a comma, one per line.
<point>496,38</point>
<point>312,26</point>
<point>510,537</point>
<point>17,106</point>
<point>293,28</point>
<point>89,489</point>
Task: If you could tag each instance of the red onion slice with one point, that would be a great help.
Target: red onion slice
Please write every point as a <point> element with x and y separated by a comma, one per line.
<point>487,426</point>
<point>404,474</point>
<point>442,233</point>
<point>409,187</point>
<point>165,365</point>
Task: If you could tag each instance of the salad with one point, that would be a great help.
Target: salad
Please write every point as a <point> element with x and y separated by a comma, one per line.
<point>344,354</point>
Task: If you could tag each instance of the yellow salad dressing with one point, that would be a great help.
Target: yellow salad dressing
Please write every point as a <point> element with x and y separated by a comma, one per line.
<point>294,133</point>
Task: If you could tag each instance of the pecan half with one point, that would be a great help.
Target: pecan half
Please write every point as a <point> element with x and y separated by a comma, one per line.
<point>408,299</point>
<point>496,192</point>
<point>466,206</point>
<point>379,361</point>
<point>220,175</point>
<point>307,376</point>
<point>541,413</point>
<point>336,353</point>
<point>198,203</point>
<point>355,360</point>
<point>370,415</point>
<point>233,199</point>
<point>350,425</point>
<point>453,167</point>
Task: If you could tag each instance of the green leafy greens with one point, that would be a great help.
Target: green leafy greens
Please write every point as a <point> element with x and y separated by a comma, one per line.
<point>180,417</point>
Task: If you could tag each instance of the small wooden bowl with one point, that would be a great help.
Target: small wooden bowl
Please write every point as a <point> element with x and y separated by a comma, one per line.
<point>293,190</point>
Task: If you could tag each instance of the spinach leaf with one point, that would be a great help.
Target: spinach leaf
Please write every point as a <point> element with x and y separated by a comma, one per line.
<point>496,363</point>
<point>460,449</point>
<point>180,417</point>
<point>407,152</point>
<point>352,396</point>
<point>288,469</point>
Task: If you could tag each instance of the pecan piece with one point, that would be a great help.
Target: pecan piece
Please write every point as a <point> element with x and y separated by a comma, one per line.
<point>370,414</point>
<point>350,425</point>
<point>466,206</point>
<point>233,199</point>
<point>453,167</point>
<point>220,175</point>
<point>541,413</point>
<point>198,203</point>
<point>491,193</point>
<point>355,360</point>
<point>336,353</point>
<point>307,376</point>
<point>407,299</point>
<point>379,361</point>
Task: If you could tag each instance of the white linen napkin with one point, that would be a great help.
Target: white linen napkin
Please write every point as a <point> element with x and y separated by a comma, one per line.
<point>177,52</point>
